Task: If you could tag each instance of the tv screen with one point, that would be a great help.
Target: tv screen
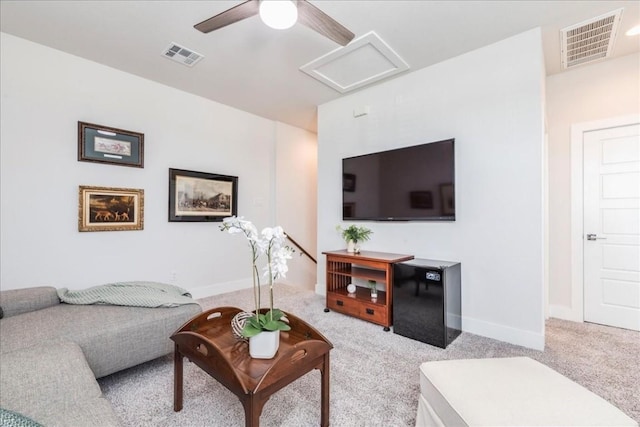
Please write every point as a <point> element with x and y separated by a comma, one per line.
<point>405,184</point>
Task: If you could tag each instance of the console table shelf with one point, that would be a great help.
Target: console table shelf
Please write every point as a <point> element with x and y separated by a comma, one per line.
<point>343,266</point>
<point>361,273</point>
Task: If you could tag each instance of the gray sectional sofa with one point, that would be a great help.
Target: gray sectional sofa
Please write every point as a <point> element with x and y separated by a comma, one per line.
<point>51,353</point>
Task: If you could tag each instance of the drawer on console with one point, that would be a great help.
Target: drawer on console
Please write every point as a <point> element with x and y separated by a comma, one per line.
<point>373,313</point>
<point>344,304</point>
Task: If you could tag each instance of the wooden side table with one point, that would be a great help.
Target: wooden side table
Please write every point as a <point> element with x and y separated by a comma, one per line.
<point>207,340</point>
<point>343,267</point>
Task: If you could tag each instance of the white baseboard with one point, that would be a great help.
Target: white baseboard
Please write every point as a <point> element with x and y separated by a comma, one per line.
<point>487,329</point>
<point>504,333</point>
<point>220,288</point>
<point>565,313</point>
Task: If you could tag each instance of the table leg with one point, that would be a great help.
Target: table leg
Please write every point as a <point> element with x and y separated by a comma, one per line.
<point>252,410</point>
<point>324,400</point>
<point>177,379</point>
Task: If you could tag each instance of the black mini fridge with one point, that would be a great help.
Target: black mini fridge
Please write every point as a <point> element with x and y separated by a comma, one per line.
<point>427,301</point>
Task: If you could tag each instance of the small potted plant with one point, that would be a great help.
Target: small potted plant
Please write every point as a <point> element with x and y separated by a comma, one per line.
<point>374,289</point>
<point>354,235</point>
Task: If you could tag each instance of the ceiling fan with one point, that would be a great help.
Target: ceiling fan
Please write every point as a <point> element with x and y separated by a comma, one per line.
<point>295,10</point>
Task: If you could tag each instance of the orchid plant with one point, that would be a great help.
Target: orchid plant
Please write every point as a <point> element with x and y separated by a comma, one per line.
<point>270,242</point>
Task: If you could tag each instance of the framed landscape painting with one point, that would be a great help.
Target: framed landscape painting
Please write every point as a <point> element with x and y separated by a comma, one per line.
<point>201,196</point>
<point>110,209</point>
<point>104,144</point>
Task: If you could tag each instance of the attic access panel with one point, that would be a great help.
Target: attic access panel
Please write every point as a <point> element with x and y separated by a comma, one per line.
<point>364,61</point>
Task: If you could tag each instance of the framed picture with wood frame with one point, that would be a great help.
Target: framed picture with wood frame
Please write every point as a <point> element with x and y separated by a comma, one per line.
<point>110,209</point>
<point>102,144</point>
<point>201,196</point>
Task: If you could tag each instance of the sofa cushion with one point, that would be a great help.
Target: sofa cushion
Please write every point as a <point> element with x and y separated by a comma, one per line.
<point>112,337</point>
<point>52,384</point>
<point>18,301</point>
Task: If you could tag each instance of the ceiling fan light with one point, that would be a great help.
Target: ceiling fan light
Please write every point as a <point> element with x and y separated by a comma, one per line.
<point>633,31</point>
<point>278,14</point>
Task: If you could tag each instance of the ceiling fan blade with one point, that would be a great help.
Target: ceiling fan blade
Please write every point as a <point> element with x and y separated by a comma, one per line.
<point>319,21</point>
<point>229,16</point>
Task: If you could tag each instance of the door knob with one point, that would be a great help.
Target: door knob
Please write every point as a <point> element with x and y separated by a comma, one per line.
<point>595,237</point>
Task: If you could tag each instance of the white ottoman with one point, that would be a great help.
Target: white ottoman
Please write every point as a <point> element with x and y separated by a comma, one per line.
<point>515,391</point>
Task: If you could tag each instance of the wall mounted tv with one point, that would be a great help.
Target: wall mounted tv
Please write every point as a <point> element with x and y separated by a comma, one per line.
<point>406,184</point>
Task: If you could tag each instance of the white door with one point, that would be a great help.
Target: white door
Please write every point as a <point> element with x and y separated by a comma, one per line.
<point>612,226</point>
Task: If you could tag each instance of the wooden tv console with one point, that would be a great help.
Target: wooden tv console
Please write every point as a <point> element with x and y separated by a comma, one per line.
<point>343,266</point>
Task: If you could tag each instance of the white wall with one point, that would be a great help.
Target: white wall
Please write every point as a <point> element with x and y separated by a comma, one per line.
<point>296,196</point>
<point>44,94</point>
<point>587,93</point>
<point>491,101</point>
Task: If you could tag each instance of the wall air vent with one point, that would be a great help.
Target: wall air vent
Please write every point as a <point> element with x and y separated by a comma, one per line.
<point>182,55</point>
<point>589,41</point>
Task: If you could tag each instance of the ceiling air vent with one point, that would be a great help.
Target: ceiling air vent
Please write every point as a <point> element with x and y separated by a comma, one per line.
<point>589,41</point>
<point>182,55</point>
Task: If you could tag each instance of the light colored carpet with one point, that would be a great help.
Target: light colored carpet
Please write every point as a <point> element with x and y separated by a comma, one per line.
<point>374,374</point>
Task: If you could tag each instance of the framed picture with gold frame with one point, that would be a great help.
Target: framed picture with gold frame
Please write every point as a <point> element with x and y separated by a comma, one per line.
<point>110,209</point>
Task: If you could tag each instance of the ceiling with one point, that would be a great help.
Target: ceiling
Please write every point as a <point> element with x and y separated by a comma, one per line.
<point>257,69</point>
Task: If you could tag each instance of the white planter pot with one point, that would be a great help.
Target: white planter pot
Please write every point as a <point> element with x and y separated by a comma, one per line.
<point>353,247</point>
<point>264,345</point>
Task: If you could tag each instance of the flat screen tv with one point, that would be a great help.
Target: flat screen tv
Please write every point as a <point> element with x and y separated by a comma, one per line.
<point>406,184</point>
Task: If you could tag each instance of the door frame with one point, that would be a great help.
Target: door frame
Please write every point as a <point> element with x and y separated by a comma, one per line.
<point>577,205</point>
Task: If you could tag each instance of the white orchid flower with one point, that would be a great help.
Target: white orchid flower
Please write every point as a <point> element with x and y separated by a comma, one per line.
<point>271,242</point>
